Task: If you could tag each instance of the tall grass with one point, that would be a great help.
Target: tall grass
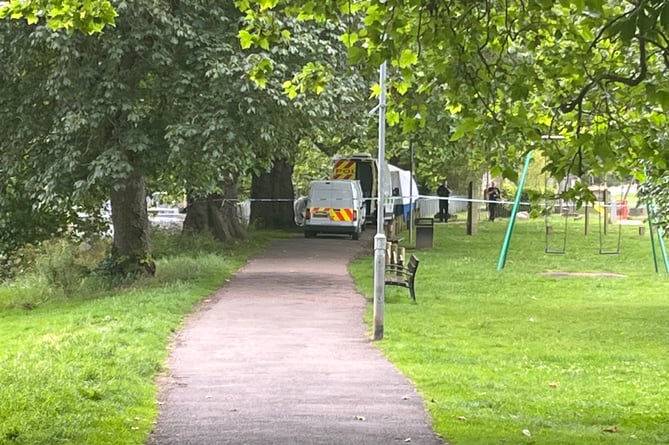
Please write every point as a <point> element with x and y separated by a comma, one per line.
<point>515,356</point>
<point>80,369</point>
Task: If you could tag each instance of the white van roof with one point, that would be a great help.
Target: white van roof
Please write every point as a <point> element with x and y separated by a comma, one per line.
<point>336,184</point>
<point>353,156</point>
<point>335,189</point>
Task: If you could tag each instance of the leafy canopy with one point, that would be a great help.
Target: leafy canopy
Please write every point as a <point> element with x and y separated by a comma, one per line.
<point>497,75</point>
<point>88,16</point>
<point>513,70</point>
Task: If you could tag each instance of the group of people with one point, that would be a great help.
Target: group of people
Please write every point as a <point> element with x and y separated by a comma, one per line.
<point>491,194</point>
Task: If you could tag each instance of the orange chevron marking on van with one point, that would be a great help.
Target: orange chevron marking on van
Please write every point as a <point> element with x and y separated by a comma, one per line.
<point>333,214</point>
<point>344,169</point>
<point>341,214</point>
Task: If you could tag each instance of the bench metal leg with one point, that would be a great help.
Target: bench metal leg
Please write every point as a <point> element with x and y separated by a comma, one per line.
<point>411,290</point>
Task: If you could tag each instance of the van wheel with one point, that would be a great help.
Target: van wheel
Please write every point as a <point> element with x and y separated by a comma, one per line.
<point>355,236</point>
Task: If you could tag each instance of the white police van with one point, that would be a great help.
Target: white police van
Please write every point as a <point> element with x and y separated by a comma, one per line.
<point>335,206</point>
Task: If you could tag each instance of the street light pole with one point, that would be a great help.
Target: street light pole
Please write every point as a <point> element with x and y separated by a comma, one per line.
<point>380,237</point>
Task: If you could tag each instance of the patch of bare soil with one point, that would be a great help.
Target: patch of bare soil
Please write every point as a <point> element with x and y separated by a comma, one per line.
<point>555,274</point>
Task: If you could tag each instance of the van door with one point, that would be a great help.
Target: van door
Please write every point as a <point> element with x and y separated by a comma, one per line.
<point>367,179</point>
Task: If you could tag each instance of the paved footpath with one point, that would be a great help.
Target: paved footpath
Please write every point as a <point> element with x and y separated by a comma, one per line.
<point>280,356</point>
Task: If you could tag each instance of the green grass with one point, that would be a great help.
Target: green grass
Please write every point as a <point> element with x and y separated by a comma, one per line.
<point>493,353</point>
<point>574,360</point>
<point>81,370</point>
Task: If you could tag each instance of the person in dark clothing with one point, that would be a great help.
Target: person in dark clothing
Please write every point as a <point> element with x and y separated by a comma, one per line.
<point>492,194</point>
<point>398,210</point>
<point>444,192</point>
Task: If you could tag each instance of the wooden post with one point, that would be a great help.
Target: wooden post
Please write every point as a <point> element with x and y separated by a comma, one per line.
<point>605,210</point>
<point>471,228</point>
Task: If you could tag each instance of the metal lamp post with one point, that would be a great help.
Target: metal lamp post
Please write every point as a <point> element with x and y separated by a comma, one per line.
<point>380,237</point>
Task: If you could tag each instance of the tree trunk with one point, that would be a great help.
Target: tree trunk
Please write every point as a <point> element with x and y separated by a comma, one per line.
<point>216,213</point>
<point>131,248</point>
<point>272,197</point>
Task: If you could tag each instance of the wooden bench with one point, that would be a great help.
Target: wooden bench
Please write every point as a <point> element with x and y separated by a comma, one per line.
<point>399,274</point>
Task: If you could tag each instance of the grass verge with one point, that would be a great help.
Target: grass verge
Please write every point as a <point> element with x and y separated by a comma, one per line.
<point>82,370</point>
<point>517,357</point>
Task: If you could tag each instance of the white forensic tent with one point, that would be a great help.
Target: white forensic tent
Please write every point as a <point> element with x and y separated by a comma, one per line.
<point>406,186</point>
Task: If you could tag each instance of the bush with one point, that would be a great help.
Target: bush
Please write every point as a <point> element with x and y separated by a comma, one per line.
<point>537,199</point>
<point>171,242</point>
<point>56,267</point>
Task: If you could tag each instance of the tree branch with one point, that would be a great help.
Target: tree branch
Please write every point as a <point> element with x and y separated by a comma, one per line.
<point>331,149</point>
<point>601,32</point>
<point>613,78</point>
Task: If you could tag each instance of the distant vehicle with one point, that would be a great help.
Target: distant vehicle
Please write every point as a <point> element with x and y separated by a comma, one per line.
<point>300,210</point>
<point>365,169</point>
<point>166,217</point>
<point>336,206</point>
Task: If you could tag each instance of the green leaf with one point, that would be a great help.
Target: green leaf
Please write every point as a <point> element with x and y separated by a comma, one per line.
<point>595,5</point>
<point>245,39</point>
<point>392,117</point>
<point>263,42</point>
<point>356,55</point>
<point>349,38</point>
<point>403,87</point>
<point>662,96</point>
<point>467,125</point>
<point>242,5</point>
<point>510,174</point>
<point>664,17</point>
<point>373,15</point>
<point>31,19</point>
<point>407,58</point>
<point>349,7</point>
<point>267,4</point>
<point>410,124</point>
<point>628,28</point>
<point>376,91</point>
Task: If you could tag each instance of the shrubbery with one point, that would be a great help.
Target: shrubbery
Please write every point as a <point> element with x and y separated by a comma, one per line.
<point>56,268</point>
<point>62,268</point>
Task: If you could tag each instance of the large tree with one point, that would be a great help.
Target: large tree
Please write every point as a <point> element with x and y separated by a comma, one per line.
<point>327,118</point>
<point>165,100</point>
<point>89,115</point>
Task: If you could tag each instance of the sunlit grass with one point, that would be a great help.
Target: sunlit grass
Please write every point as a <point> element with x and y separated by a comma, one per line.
<point>513,356</point>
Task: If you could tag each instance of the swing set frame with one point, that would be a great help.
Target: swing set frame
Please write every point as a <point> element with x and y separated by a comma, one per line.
<point>514,211</point>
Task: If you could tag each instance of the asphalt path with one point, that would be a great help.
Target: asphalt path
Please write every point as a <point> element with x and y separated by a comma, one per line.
<point>280,355</point>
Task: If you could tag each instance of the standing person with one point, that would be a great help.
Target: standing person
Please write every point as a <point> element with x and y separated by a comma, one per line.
<point>444,192</point>
<point>492,194</point>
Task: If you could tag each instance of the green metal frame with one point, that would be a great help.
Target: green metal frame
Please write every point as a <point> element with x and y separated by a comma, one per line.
<point>512,219</point>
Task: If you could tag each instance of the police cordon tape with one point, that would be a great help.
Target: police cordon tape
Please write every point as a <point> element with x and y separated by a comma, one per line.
<point>458,199</point>
<point>416,197</point>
